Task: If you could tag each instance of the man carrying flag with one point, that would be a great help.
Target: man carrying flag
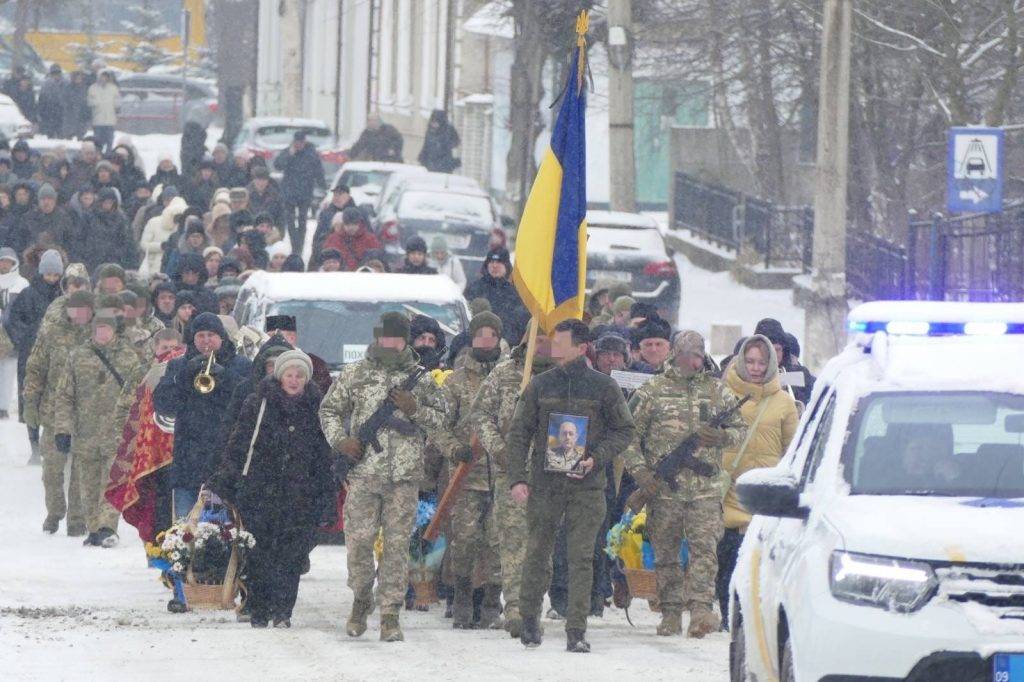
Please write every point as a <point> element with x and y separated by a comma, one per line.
<point>549,274</point>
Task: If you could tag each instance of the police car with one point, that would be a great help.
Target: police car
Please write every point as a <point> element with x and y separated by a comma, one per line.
<point>889,541</point>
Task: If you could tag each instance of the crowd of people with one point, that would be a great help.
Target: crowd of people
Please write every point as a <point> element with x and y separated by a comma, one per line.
<point>117,291</point>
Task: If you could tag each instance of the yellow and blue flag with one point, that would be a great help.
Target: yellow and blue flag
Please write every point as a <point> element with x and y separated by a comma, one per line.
<point>551,244</point>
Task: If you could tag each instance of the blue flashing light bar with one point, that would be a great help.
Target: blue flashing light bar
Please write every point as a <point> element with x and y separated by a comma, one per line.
<point>921,328</point>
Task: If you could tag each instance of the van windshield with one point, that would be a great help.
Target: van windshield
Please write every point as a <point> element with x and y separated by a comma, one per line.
<point>340,331</point>
<point>959,444</point>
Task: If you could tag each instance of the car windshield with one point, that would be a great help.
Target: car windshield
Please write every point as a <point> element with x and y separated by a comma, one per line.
<point>960,444</point>
<point>340,331</point>
<point>466,206</point>
<point>281,136</point>
<point>358,178</point>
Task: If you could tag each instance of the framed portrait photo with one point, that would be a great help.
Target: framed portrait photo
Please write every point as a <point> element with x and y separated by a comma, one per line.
<point>567,442</point>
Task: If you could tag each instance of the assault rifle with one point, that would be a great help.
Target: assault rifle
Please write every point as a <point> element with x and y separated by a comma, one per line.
<point>682,456</point>
<point>368,432</point>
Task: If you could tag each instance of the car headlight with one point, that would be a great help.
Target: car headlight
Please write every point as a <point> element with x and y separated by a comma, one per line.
<point>891,584</point>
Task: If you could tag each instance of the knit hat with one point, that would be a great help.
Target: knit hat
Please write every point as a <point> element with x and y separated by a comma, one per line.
<point>168,193</point>
<point>208,322</point>
<point>485,319</point>
<point>108,320</point>
<point>623,304</point>
<point>416,244</point>
<point>293,358</point>
<point>479,305</point>
<point>51,263</point>
<point>212,250</point>
<point>128,297</point>
<point>194,225</point>
<point>260,172</point>
<point>688,342</point>
<point>498,254</point>
<point>7,253</point>
<point>47,191</point>
<point>110,270</point>
<point>82,298</point>
<point>438,243</point>
<point>772,330</point>
<point>393,324</point>
<point>653,328</point>
<point>612,343</point>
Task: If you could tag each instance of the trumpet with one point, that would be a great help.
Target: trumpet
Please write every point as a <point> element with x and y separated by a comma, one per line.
<point>204,382</point>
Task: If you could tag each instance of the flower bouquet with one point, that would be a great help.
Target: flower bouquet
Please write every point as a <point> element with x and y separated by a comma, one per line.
<point>630,545</point>
<point>425,556</point>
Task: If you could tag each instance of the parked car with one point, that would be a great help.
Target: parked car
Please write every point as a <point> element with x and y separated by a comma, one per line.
<point>886,544</point>
<point>12,123</point>
<point>436,204</point>
<point>629,248</point>
<point>366,179</point>
<point>268,136</point>
<point>395,180</point>
<point>30,59</point>
<point>337,311</point>
<point>153,103</point>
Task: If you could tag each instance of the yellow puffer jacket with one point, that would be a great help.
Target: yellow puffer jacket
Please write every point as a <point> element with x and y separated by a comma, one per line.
<point>770,439</point>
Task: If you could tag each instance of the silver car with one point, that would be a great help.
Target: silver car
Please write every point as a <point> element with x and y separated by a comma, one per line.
<point>153,103</point>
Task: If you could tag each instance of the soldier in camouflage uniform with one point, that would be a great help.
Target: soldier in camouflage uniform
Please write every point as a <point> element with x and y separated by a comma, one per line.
<point>76,278</point>
<point>88,390</point>
<point>42,374</point>
<point>138,330</point>
<point>473,535</point>
<point>666,410</point>
<point>383,486</point>
<point>493,408</point>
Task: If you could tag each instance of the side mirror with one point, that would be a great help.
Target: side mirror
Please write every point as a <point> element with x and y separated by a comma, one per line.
<point>769,492</point>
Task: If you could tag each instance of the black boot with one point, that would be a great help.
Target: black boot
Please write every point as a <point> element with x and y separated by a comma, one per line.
<point>575,641</point>
<point>91,540</point>
<point>531,635</point>
<point>490,609</point>
<point>462,604</point>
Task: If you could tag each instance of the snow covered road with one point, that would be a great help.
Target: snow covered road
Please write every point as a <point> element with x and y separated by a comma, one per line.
<point>68,612</point>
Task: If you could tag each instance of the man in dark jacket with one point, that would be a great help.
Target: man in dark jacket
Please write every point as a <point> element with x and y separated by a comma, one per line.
<point>23,166</point>
<point>439,143</point>
<point>191,276</point>
<point>496,286</point>
<point>108,238</point>
<point>378,142</point>
<point>198,417</point>
<point>51,103</point>
<point>265,196</point>
<point>302,171</point>
<point>416,258</point>
<point>24,96</point>
<point>75,112</point>
<point>652,338</point>
<point>341,198</point>
<point>47,224</point>
<point>585,407</point>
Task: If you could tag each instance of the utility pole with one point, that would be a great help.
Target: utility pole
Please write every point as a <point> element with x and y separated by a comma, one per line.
<point>622,166</point>
<point>292,27</point>
<point>826,307</point>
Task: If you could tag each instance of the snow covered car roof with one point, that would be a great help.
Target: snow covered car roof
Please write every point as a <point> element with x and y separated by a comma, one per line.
<point>259,121</point>
<point>621,219</point>
<point>461,184</point>
<point>381,166</point>
<point>354,286</point>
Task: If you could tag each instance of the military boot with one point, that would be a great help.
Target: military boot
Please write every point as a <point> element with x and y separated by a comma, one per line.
<point>76,529</point>
<point>51,524</point>
<point>576,642</point>
<point>703,621</point>
<point>356,625</point>
<point>671,622</point>
<point>490,610</point>
<point>390,630</point>
<point>33,458</point>
<point>531,635</point>
<point>462,604</point>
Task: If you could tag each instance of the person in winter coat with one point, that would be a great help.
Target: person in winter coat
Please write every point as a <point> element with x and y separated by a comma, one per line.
<point>191,276</point>
<point>496,286</point>
<point>47,224</point>
<point>428,341</point>
<point>104,100</point>
<point>276,470</point>
<point>83,167</point>
<point>164,302</point>
<point>378,142</point>
<point>131,172</point>
<point>11,284</point>
<point>439,143</point>
<point>303,171</point>
<point>51,103</point>
<point>157,231</point>
<point>193,149</point>
<point>198,417</point>
<point>351,238</point>
<point>262,367</point>
<point>199,192</point>
<point>75,113</point>
<point>23,166</point>
<point>108,238</point>
<point>22,200</point>
<point>265,196</point>
<point>416,258</point>
<point>166,173</point>
<point>106,176</point>
<point>341,199</point>
<point>24,96</point>
<point>445,263</point>
<point>771,419</point>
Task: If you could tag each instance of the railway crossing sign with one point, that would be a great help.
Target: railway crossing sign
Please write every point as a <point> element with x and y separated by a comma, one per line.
<point>974,181</point>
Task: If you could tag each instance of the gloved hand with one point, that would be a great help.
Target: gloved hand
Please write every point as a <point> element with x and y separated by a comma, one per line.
<point>711,437</point>
<point>404,401</point>
<point>63,442</point>
<point>463,453</point>
<point>351,448</point>
<point>647,489</point>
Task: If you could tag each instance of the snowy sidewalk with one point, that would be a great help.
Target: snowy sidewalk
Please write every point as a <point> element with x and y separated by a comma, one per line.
<point>69,612</point>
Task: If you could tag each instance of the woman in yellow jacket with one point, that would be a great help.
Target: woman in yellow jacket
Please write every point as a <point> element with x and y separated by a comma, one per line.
<point>771,418</point>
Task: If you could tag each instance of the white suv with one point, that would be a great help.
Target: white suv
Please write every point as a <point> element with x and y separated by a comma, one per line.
<point>889,541</point>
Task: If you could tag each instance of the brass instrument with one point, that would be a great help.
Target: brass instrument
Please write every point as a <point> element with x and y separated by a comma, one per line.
<point>204,381</point>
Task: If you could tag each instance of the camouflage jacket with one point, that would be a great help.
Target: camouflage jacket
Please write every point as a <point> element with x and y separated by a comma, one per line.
<point>46,365</point>
<point>357,392</point>
<point>88,391</point>
<point>139,333</point>
<point>459,391</point>
<point>56,314</point>
<point>666,410</point>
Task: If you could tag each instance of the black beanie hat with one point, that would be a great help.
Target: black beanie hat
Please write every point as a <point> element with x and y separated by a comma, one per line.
<point>771,328</point>
<point>208,322</point>
<point>653,328</point>
<point>393,324</point>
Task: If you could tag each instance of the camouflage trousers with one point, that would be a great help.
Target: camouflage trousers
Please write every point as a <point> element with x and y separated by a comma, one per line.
<point>373,505</point>
<point>512,533</point>
<point>669,520</point>
<point>54,464</point>
<point>474,536</point>
<point>93,476</point>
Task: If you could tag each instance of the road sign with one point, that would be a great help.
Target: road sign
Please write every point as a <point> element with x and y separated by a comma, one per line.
<point>975,170</point>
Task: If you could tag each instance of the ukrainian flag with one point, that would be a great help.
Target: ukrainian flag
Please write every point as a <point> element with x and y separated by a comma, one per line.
<point>551,244</point>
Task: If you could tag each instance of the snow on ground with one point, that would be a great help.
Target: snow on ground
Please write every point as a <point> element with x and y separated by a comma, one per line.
<point>69,612</point>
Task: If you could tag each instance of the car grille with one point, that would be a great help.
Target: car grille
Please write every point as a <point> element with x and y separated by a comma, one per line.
<point>1000,588</point>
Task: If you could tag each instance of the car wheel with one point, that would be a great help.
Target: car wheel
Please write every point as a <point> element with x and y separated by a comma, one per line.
<point>787,672</point>
<point>738,653</point>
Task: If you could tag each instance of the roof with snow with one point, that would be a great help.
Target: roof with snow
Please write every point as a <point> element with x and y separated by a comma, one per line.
<point>621,219</point>
<point>258,121</point>
<point>354,286</point>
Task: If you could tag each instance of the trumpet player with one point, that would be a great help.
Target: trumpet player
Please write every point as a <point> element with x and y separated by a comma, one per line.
<point>195,391</point>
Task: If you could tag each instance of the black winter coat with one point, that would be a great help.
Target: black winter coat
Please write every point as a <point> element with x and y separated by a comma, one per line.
<point>302,172</point>
<point>505,303</point>
<point>289,483</point>
<point>108,239</point>
<point>36,227</point>
<point>199,192</point>
<point>198,418</point>
<point>167,179</point>
<point>26,313</point>
<point>193,148</point>
<point>268,202</point>
<point>75,109</point>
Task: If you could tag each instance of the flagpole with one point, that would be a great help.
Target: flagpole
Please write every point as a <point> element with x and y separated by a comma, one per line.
<point>531,350</point>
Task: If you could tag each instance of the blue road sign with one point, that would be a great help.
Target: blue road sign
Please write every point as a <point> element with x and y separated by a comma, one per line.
<point>975,170</point>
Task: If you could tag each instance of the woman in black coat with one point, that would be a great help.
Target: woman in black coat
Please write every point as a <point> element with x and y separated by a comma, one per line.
<point>280,482</point>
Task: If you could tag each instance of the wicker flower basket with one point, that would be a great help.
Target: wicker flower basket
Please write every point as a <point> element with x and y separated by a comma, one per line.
<point>216,596</point>
<point>426,593</point>
<point>643,584</point>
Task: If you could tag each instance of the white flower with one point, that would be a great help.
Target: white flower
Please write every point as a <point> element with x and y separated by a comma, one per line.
<point>177,567</point>
<point>175,556</point>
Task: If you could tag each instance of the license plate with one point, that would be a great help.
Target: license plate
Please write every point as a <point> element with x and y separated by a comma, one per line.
<point>614,275</point>
<point>1008,668</point>
<point>455,241</point>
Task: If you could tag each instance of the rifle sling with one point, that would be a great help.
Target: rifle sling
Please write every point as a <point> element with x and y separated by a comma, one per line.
<point>106,363</point>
